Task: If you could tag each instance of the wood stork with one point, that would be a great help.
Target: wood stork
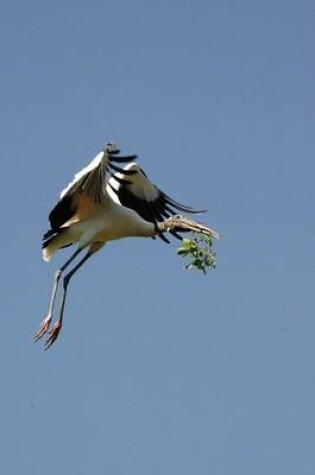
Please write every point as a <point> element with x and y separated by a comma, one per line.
<point>105,202</point>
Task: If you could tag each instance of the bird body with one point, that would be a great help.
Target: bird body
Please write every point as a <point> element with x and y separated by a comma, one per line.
<point>106,221</point>
<point>105,202</point>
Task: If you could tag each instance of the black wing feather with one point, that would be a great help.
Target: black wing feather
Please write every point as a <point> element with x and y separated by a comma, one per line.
<point>62,212</point>
<point>153,211</point>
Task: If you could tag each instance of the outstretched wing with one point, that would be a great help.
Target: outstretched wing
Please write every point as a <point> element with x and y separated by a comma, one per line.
<point>136,191</point>
<point>88,189</point>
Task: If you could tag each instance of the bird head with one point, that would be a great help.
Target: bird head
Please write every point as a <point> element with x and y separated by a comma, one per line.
<point>111,148</point>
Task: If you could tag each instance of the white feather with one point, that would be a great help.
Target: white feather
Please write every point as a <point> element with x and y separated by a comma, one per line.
<point>140,185</point>
<point>91,166</point>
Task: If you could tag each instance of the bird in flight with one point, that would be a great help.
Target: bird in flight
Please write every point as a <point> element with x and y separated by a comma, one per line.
<point>111,198</point>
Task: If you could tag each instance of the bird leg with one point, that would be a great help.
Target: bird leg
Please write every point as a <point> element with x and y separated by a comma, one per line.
<point>55,330</point>
<point>182,224</point>
<point>44,326</point>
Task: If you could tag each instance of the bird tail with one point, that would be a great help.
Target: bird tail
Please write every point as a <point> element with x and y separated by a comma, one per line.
<point>54,240</point>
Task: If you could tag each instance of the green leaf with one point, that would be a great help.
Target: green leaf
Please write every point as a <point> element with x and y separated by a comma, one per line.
<point>199,252</point>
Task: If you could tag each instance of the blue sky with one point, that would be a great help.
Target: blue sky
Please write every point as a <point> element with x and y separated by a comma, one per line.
<point>158,370</point>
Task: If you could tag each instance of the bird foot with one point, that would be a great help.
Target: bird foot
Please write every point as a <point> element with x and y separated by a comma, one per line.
<point>53,335</point>
<point>179,223</point>
<point>43,328</point>
<point>171,223</point>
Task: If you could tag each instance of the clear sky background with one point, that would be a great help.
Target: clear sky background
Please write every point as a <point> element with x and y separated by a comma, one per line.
<point>158,370</point>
